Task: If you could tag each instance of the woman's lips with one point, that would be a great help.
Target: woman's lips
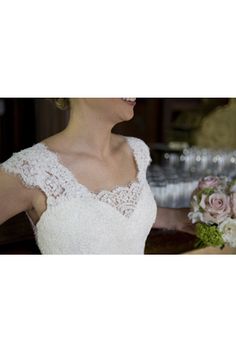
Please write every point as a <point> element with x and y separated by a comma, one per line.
<point>130,101</point>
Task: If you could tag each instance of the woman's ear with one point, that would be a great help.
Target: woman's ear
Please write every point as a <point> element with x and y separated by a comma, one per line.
<point>62,103</point>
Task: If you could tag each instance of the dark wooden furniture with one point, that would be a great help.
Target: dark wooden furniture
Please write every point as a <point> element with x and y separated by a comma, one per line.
<point>146,121</point>
<point>16,236</point>
<point>17,125</point>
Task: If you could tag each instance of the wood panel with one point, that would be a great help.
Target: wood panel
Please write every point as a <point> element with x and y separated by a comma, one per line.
<point>49,119</point>
<point>145,123</point>
<point>17,126</point>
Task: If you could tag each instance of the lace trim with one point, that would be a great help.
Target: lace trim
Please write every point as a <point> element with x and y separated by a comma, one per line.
<point>122,197</point>
<point>38,166</point>
<point>56,156</point>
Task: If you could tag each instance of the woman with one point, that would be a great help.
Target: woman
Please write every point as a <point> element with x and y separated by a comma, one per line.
<point>84,189</point>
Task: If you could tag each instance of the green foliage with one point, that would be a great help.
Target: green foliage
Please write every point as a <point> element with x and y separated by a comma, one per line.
<point>206,191</point>
<point>209,235</point>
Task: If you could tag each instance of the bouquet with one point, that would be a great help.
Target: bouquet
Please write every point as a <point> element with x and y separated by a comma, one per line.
<point>213,210</point>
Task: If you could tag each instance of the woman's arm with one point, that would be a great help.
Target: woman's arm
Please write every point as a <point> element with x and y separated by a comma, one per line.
<point>210,250</point>
<point>174,219</point>
<point>170,218</point>
<point>14,196</point>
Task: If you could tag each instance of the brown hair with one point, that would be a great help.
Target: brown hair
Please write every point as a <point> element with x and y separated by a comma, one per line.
<point>62,103</point>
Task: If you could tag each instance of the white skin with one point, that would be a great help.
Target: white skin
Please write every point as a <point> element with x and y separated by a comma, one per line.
<point>97,158</point>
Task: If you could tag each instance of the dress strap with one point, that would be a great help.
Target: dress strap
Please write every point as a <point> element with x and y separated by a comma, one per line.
<point>142,155</point>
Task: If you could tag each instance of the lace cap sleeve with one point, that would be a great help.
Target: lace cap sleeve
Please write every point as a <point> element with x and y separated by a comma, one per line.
<point>142,152</point>
<point>146,153</point>
<point>23,164</point>
<point>37,167</point>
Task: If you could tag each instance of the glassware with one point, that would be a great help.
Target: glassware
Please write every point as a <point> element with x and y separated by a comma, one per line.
<point>174,180</point>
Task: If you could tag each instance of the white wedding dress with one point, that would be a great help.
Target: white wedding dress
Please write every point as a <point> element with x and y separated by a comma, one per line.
<point>78,221</point>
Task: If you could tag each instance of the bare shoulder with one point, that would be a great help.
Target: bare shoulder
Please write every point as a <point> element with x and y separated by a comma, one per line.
<point>118,141</point>
<point>121,140</point>
<point>53,141</point>
<point>121,146</point>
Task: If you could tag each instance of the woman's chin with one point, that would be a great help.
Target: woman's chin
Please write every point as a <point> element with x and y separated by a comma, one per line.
<point>127,117</point>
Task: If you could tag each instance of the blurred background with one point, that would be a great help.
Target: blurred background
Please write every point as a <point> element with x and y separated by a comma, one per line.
<point>188,138</point>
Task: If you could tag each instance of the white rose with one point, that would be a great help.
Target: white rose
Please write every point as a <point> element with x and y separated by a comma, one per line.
<point>228,229</point>
<point>195,216</point>
<point>195,204</point>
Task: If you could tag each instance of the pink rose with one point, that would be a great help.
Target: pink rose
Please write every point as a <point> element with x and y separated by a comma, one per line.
<point>209,182</point>
<point>233,204</point>
<point>216,207</point>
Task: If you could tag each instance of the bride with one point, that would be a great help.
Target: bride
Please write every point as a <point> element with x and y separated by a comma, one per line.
<point>84,189</point>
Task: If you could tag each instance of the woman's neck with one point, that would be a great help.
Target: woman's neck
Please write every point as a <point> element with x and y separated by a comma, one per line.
<point>88,132</point>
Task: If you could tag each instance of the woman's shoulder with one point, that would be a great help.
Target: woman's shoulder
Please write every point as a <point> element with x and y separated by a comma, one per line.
<point>28,163</point>
<point>140,149</point>
<point>135,141</point>
<point>24,156</point>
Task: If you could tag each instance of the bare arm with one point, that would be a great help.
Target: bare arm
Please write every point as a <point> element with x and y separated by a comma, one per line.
<point>14,196</point>
<point>210,250</point>
<point>174,219</point>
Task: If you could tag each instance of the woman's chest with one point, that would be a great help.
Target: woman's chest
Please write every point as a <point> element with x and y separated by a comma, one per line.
<point>96,174</point>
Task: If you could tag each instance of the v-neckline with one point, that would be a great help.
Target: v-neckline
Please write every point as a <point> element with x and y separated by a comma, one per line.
<point>61,164</point>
